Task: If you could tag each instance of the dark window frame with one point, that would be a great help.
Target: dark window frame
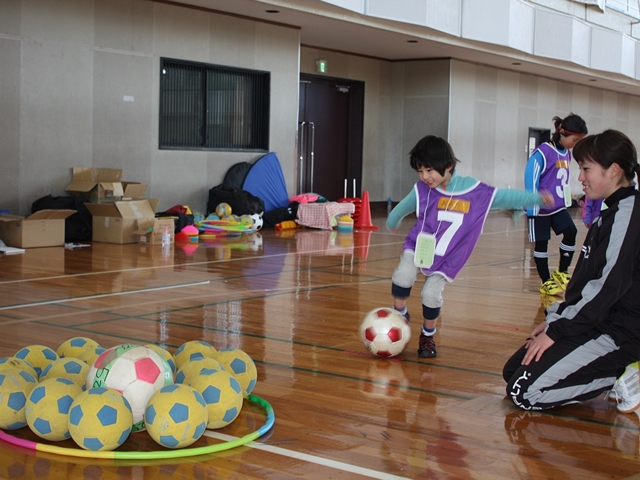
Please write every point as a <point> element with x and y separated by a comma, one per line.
<point>213,107</point>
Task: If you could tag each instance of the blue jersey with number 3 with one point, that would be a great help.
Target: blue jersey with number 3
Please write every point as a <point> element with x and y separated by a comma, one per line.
<point>456,219</point>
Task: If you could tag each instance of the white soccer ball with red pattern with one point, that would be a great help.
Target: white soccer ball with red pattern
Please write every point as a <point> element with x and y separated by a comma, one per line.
<point>385,332</point>
<point>135,371</point>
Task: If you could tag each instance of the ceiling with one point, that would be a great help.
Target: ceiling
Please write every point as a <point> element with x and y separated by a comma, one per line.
<point>328,27</point>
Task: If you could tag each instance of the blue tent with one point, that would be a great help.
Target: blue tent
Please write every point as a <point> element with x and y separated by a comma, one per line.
<point>266,181</point>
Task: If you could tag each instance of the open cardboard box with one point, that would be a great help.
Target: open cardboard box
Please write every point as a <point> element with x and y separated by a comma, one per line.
<point>117,222</point>
<point>100,185</point>
<point>150,230</point>
<point>44,228</point>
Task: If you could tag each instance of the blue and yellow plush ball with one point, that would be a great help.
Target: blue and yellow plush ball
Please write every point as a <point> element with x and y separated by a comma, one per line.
<point>47,409</point>
<point>38,356</point>
<point>176,416</point>
<point>241,365</point>
<point>67,367</point>
<point>193,350</point>
<point>222,394</point>
<point>100,419</point>
<point>15,387</point>
<point>75,346</point>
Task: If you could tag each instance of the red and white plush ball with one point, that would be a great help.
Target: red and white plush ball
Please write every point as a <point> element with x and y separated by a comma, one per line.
<point>384,332</point>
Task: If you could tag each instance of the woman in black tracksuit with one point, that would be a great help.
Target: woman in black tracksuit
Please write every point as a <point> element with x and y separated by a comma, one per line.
<point>587,340</point>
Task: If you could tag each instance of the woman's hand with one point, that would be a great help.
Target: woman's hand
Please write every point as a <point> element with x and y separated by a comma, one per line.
<point>537,344</point>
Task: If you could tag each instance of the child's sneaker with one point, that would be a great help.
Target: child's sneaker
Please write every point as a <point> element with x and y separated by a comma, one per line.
<point>426,346</point>
<point>550,287</point>
<point>561,278</point>
<point>407,317</point>
<point>626,390</point>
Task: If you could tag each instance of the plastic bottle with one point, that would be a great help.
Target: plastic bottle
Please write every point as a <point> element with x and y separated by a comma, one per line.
<point>166,237</point>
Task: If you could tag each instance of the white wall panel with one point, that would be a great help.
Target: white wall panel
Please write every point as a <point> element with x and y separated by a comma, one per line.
<point>445,16</point>
<point>612,52</point>
<point>502,22</point>
<point>562,37</point>
<point>408,11</point>
<point>353,5</point>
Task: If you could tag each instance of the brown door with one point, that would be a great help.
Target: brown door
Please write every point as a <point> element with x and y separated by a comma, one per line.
<point>330,136</point>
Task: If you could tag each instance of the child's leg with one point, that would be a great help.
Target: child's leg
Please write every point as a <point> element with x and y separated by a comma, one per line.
<point>402,281</point>
<point>572,369</point>
<point>567,247</point>
<point>431,305</point>
<point>541,257</point>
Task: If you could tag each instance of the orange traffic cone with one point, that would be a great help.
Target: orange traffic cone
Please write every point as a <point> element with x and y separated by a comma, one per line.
<point>363,218</point>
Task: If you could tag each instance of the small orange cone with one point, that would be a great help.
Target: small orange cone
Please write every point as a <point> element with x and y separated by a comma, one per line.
<point>362,218</point>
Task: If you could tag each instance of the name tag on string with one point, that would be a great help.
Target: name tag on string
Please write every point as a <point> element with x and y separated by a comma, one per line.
<point>566,190</point>
<point>425,250</point>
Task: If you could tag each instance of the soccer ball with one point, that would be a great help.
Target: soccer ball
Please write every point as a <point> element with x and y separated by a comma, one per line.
<point>100,419</point>
<point>133,370</point>
<point>258,222</point>
<point>223,210</point>
<point>176,416</point>
<point>166,354</point>
<point>222,394</point>
<point>193,350</point>
<point>13,362</point>
<point>47,409</point>
<point>75,346</point>
<point>90,355</point>
<point>15,387</point>
<point>241,365</point>
<point>38,356</point>
<point>69,368</point>
<point>196,367</point>
<point>384,332</point>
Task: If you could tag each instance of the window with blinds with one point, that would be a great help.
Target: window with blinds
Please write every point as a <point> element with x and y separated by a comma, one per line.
<point>213,107</point>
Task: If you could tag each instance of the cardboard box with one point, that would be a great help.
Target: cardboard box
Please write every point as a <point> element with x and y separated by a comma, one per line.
<point>41,229</point>
<point>133,190</point>
<point>150,231</point>
<point>117,222</point>
<point>97,185</point>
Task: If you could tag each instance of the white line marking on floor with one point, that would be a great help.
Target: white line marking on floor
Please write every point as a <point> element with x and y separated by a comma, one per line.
<point>310,458</point>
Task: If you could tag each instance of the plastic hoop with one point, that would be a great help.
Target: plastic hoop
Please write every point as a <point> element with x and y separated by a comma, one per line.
<point>156,454</point>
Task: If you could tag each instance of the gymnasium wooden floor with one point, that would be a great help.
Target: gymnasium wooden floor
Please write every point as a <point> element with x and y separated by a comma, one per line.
<point>293,300</point>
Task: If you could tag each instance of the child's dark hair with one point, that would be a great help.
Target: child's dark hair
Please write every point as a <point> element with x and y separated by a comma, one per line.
<point>433,152</point>
<point>572,124</point>
<point>607,148</point>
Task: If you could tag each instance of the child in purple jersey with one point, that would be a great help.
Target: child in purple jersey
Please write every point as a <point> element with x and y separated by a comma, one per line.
<point>548,169</point>
<point>451,211</point>
<point>591,211</point>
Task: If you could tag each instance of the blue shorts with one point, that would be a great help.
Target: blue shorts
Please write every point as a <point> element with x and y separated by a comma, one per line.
<point>540,226</point>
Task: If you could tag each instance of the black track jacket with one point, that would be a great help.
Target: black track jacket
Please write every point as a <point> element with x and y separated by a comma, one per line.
<point>604,292</point>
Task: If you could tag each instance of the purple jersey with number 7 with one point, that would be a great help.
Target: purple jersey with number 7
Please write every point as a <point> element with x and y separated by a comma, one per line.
<point>456,220</point>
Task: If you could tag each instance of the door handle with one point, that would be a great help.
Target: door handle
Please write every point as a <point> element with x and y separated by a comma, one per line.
<point>312,150</point>
<point>301,152</point>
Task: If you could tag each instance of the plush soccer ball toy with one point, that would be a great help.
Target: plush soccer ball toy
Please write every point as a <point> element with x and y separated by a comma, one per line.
<point>384,332</point>
<point>38,356</point>
<point>73,347</point>
<point>100,419</point>
<point>222,394</point>
<point>193,350</point>
<point>69,368</point>
<point>241,365</point>
<point>258,222</point>
<point>223,210</point>
<point>133,370</point>
<point>13,362</point>
<point>47,409</point>
<point>196,367</point>
<point>15,387</point>
<point>176,416</point>
<point>166,354</point>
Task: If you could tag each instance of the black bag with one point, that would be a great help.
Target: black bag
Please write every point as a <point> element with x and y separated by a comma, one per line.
<point>240,201</point>
<point>77,227</point>
<point>277,215</point>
